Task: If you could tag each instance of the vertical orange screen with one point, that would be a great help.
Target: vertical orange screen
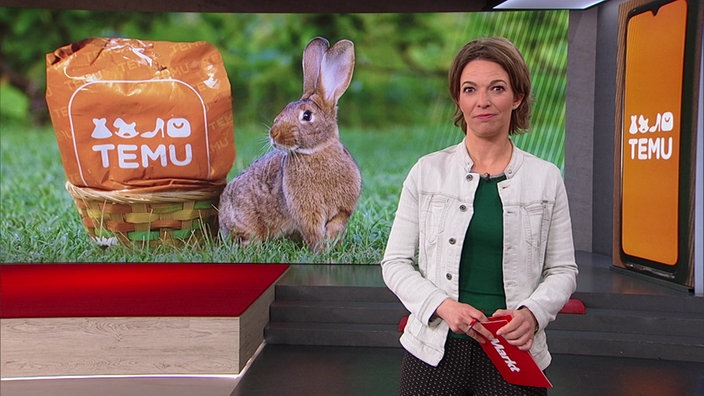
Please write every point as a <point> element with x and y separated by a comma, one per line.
<point>651,133</point>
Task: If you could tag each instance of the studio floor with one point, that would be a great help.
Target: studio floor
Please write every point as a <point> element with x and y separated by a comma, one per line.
<point>326,370</point>
<point>321,371</point>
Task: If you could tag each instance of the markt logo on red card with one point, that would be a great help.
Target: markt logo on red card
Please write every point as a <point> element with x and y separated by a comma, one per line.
<point>516,366</point>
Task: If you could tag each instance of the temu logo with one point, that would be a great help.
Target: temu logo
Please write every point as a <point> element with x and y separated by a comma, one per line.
<point>651,147</point>
<point>130,156</point>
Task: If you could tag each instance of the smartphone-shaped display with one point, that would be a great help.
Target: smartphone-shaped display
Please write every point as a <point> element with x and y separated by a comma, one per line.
<point>651,134</point>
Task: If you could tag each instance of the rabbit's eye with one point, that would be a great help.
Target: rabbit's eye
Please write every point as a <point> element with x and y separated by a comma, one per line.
<point>307,115</point>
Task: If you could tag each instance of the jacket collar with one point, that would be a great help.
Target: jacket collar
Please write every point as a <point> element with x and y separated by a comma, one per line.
<point>514,164</point>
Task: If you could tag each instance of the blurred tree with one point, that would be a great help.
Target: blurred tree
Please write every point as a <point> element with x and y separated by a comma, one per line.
<point>402,59</point>
<point>26,35</point>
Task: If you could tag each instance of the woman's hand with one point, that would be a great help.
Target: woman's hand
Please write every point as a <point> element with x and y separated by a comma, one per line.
<point>521,329</point>
<point>463,318</point>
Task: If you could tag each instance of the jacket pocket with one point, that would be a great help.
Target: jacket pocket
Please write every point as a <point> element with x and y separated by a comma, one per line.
<point>432,335</point>
<point>433,214</point>
<point>536,222</point>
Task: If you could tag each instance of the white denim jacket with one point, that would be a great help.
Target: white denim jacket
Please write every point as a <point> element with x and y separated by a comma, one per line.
<point>436,206</point>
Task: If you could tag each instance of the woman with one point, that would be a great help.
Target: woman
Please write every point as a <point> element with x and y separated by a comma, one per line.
<point>482,229</point>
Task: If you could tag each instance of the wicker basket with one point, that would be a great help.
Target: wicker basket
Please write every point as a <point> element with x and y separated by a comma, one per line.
<point>139,219</point>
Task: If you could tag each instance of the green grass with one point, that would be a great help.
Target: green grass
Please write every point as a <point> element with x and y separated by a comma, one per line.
<point>39,222</point>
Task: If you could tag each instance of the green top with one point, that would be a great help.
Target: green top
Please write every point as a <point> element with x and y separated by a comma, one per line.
<point>481,275</point>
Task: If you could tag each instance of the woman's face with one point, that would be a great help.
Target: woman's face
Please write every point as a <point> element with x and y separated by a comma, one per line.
<point>487,99</point>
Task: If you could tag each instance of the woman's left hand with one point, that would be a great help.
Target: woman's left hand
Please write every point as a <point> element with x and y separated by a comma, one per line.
<point>521,329</point>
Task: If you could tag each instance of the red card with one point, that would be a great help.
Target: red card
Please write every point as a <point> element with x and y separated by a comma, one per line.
<point>516,366</point>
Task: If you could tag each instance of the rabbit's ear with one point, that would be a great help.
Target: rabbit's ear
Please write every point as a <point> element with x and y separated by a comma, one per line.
<point>312,57</point>
<point>336,71</point>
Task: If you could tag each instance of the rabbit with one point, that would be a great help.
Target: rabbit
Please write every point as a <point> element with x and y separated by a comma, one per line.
<point>308,186</point>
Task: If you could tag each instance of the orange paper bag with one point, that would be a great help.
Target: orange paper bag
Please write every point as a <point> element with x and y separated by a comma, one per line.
<point>141,115</point>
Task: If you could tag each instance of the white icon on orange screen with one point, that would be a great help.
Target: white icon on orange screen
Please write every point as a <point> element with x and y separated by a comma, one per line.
<point>668,121</point>
<point>663,123</point>
<point>634,125</point>
<point>656,125</point>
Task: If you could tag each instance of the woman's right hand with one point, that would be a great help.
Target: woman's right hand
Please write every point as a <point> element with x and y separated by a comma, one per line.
<point>464,319</point>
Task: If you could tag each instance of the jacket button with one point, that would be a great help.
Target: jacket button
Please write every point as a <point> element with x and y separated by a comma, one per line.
<point>469,176</point>
<point>452,241</point>
<point>448,276</point>
<point>463,208</point>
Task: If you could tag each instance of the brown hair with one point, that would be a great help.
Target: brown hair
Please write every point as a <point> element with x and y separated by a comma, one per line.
<point>505,53</point>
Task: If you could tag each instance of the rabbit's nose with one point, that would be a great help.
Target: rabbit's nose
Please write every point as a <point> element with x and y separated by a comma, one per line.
<point>277,134</point>
<point>274,133</point>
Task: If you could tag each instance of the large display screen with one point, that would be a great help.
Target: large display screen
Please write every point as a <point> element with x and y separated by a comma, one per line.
<point>396,109</point>
<point>651,133</point>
